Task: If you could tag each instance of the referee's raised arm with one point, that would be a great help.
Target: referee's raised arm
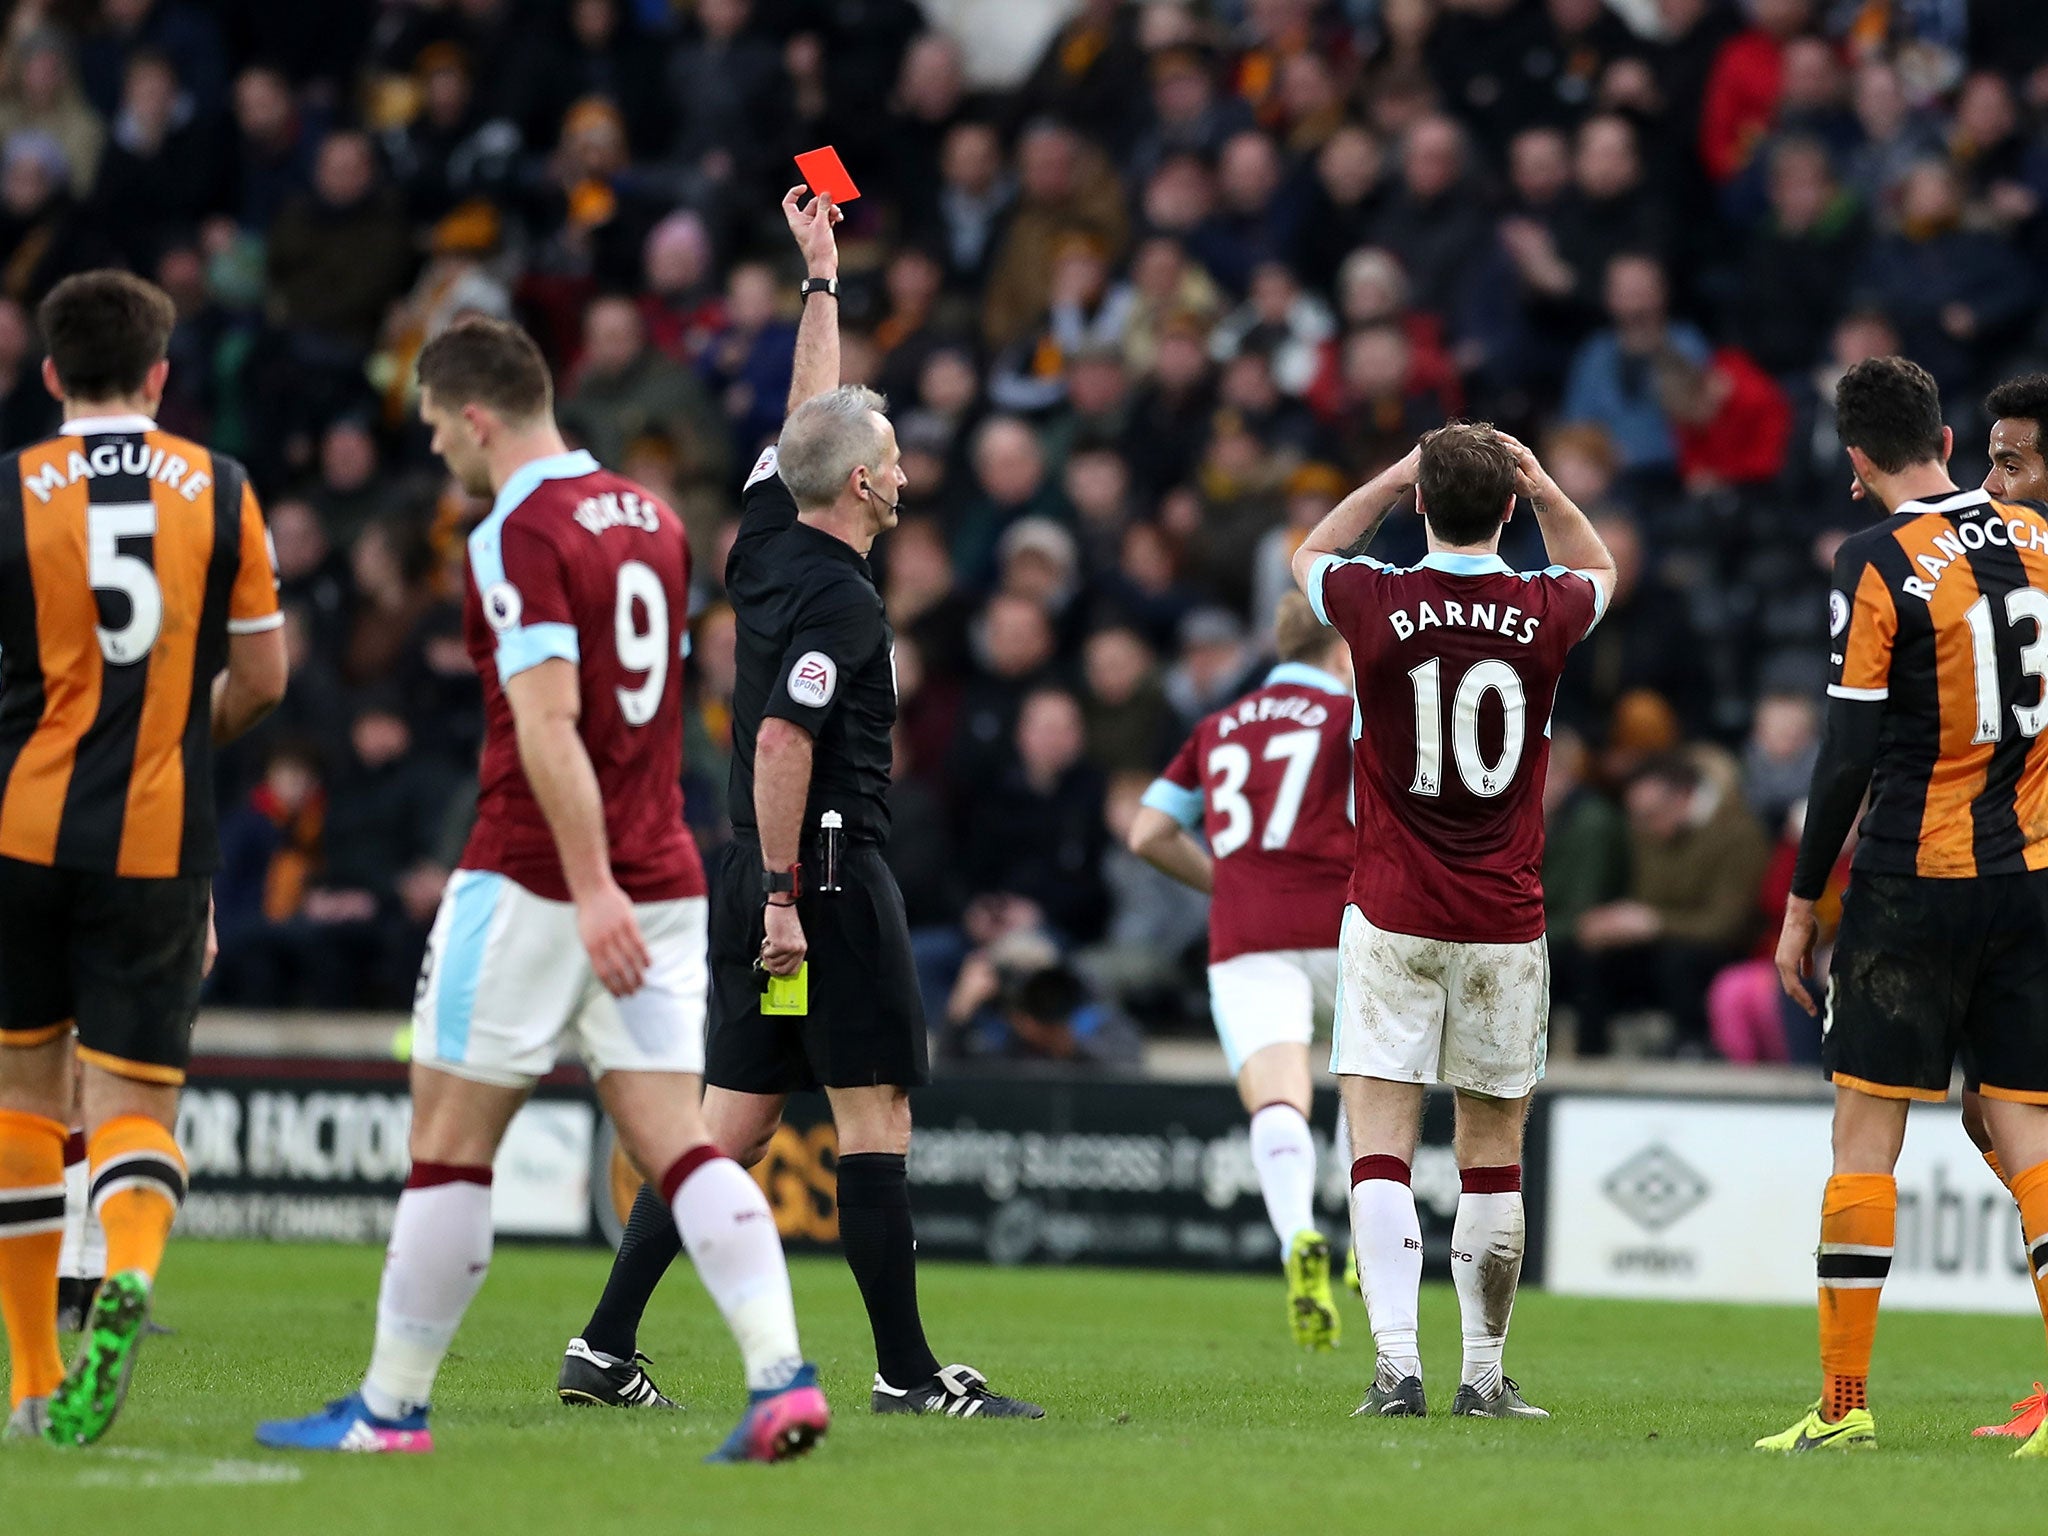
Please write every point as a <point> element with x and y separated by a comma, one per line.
<point>817,337</point>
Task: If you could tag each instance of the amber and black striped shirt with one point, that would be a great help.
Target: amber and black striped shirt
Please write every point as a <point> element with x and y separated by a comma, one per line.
<point>1941,612</point>
<point>127,557</point>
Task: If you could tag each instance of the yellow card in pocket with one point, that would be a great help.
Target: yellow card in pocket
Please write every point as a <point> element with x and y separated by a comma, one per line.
<point>789,996</point>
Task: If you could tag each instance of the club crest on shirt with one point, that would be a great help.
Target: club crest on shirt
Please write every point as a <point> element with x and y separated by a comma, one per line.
<point>1838,612</point>
<point>501,606</point>
<point>813,679</point>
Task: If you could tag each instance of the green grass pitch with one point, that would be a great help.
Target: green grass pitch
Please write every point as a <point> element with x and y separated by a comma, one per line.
<point>1177,1405</point>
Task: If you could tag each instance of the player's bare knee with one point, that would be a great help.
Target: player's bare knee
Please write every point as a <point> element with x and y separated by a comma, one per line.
<point>36,1079</point>
<point>1868,1132</point>
<point>1278,1074</point>
<point>1488,1131</point>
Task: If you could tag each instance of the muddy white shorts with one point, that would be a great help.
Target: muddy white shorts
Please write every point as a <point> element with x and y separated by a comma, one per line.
<point>1278,997</point>
<point>506,976</point>
<point>1409,1010</point>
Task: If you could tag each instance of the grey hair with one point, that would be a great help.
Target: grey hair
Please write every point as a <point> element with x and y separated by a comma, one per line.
<point>826,439</point>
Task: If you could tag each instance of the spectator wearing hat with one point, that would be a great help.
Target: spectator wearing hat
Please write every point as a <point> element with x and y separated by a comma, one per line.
<point>596,203</point>
<point>1214,666</point>
<point>39,92</point>
<point>457,280</point>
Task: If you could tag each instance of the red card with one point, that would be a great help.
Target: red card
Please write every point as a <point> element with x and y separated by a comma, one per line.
<point>825,172</point>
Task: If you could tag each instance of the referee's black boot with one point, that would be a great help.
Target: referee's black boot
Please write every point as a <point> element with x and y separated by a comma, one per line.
<point>958,1391</point>
<point>590,1378</point>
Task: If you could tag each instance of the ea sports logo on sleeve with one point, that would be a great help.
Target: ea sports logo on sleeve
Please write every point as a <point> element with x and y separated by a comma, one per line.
<point>813,679</point>
<point>501,606</point>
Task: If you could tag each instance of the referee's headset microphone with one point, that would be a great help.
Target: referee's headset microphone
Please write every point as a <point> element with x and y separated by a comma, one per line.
<point>867,488</point>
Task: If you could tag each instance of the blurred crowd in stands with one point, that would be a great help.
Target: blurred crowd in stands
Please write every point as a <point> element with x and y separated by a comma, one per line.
<point>1147,298</point>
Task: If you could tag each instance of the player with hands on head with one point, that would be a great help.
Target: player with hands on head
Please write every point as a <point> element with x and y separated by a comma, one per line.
<point>1443,972</point>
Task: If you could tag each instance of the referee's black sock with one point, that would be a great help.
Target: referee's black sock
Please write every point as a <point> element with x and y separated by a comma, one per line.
<point>881,1250</point>
<point>649,1246</point>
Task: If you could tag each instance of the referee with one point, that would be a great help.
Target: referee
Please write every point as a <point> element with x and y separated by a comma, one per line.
<point>812,983</point>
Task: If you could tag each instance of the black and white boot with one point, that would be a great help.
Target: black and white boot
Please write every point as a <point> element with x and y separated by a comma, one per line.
<point>591,1378</point>
<point>958,1391</point>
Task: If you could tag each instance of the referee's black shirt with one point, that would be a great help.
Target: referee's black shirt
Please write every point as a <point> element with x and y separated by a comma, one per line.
<point>813,647</point>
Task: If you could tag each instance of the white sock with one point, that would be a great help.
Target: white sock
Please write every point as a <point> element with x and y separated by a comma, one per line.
<point>730,1235</point>
<point>1284,1154</point>
<point>1486,1266</point>
<point>439,1253</point>
<point>1388,1236</point>
<point>84,1254</point>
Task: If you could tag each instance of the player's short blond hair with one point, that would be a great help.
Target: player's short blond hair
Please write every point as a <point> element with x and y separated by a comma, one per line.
<point>1298,635</point>
<point>826,439</point>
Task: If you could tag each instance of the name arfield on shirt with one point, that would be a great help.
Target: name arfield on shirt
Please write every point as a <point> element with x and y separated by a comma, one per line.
<point>1507,621</point>
<point>1252,711</point>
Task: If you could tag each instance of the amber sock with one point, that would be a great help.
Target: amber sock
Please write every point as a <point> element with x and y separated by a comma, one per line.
<point>31,1237</point>
<point>138,1183</point>
<point>2030,1189</point>
<point>1858,1217</point>
<point>1997,1169</point>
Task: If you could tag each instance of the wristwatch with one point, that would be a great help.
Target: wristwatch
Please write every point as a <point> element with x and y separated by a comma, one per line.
<point>820,285</point>
<point>786,882</point>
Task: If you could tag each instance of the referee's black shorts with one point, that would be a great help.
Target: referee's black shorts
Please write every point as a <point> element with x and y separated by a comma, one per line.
<point>115,957</point>
<point>866,1024</point>
<point>1930,972</point>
